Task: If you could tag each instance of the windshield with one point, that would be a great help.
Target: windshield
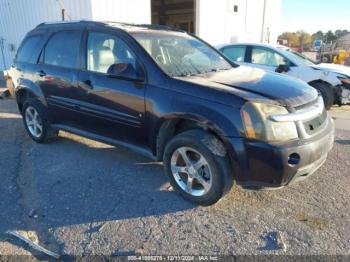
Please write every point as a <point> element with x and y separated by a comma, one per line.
<point>298,57</point>
<point>179,54</point>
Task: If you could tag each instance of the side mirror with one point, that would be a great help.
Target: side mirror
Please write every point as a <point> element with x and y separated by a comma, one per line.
<point>282,68</point>
<point>124,71</point>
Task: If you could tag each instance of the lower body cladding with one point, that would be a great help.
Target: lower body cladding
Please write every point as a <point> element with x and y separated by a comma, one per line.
<point>262,165</point>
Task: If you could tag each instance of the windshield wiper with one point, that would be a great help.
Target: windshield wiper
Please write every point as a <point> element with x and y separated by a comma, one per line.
<point>219,69</point>
<point>195,68</point>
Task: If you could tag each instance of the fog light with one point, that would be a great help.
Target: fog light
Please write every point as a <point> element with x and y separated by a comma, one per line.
<point>294,159</point>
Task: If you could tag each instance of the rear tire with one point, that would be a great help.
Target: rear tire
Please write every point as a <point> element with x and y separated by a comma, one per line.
<point>206,174</point>
<point>326,92</point>
<point>36,121</point>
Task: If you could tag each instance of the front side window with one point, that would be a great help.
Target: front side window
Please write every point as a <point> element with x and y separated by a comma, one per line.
<point>26,52</point>
<point>105,51</point>
<point>179,54</point>
<point>235,53</point>
<point>63,49</point>
<point>267,57</point>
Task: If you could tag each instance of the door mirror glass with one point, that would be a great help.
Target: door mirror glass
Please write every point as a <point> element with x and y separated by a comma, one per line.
<point>282,68</point>
<point>124,71</point>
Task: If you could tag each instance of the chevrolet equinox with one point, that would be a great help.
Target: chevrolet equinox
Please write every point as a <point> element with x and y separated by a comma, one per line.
<point>173,97</point>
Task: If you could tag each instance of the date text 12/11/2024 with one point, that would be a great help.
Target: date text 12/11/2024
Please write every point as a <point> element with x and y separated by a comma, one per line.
<point>172,258</point>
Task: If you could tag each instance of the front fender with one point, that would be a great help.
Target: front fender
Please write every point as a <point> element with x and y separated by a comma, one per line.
<point>163,105</point>
<point>224,119</point>
<point>310,75</point>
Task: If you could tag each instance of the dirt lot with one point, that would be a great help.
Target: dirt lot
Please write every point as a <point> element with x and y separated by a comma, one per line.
<point>81,197</point>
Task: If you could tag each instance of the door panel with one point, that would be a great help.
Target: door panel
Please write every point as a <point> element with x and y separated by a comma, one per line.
<point>116,106</point>
<point>62,93</point>
<point>58,74</point>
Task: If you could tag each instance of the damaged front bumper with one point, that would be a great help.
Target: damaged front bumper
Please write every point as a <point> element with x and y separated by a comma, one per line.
<point>270,167</point>
<point>343,95</point>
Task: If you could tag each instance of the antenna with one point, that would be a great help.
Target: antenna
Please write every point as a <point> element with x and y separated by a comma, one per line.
<point>65,15</point>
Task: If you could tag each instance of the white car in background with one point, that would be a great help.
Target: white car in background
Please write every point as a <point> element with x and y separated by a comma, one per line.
<point>332,81</point>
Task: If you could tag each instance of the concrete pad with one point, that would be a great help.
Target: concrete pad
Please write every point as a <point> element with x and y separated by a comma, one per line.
<point>341,116</point>
<point>4,93</point>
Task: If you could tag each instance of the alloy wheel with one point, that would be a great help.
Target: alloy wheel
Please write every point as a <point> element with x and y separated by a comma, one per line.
<point>191,171</point>
<point>33,122</point>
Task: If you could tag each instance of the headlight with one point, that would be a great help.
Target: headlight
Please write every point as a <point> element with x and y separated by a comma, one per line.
<point>344,80</point>
<point>257,124</point>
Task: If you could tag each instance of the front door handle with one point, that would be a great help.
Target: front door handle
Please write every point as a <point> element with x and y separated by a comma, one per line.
<point>86,84</point>
<point>41,73</point>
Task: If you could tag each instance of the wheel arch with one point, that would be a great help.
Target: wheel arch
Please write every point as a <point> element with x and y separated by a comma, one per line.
<point>319,81</point>
<point>332,92</point>
<point>171,125</point>
<point>26,90</point>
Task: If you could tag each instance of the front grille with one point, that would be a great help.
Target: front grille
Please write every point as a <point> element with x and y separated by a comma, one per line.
<point>313,125</point>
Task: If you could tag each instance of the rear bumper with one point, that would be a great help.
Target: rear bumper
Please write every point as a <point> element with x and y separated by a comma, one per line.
<point>264,165</point>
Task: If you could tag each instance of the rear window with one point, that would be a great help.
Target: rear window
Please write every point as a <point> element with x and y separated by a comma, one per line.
<point>27,50</point>
<point>63,49</point>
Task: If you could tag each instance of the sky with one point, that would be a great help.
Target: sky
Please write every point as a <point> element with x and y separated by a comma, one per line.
<point>314,15</point>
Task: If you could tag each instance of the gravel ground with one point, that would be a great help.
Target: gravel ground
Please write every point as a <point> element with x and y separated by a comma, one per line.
<point>81,197</point>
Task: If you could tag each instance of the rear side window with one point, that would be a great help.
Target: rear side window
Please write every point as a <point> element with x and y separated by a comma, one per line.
<point>63,49</point>
<point>235,53</point>
<point>26,52</point>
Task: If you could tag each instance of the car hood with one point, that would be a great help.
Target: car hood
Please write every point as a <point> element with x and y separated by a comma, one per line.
<point>255,84</point>
<point>340,69</point>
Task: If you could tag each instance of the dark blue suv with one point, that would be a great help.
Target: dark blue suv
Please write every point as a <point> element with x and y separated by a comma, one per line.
<point>172,97</point>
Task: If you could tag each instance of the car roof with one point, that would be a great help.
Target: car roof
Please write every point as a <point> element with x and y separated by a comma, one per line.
<point>255,44</point>
<point>122,26</point>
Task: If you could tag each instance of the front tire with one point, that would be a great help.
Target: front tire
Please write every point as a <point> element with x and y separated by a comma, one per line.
<point>36,121</point>
<point>197,165</point>
<point>326,92</point>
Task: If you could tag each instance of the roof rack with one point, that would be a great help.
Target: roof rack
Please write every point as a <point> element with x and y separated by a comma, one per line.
<point>113,23</point>
<point>66,22</point>
<point>148,26</point>
<point>160,27</point>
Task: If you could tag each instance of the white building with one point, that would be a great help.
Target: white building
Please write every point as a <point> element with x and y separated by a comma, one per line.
<point>216,21</point>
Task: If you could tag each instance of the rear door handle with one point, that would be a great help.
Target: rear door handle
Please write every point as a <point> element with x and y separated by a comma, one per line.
<point>41,73</point>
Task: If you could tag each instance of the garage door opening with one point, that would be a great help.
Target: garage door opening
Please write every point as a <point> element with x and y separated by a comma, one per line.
<point>174,13</point>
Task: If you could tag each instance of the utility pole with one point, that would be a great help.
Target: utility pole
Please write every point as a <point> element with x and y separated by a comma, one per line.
<point>2,52</point>
<point>263,23</point>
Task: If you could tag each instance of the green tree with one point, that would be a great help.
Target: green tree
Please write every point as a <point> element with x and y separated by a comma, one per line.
<point>318,36</point>
<point>291,37</point>
<point>330,37</point>
<point>338,33</point>
<point>304,38</point>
